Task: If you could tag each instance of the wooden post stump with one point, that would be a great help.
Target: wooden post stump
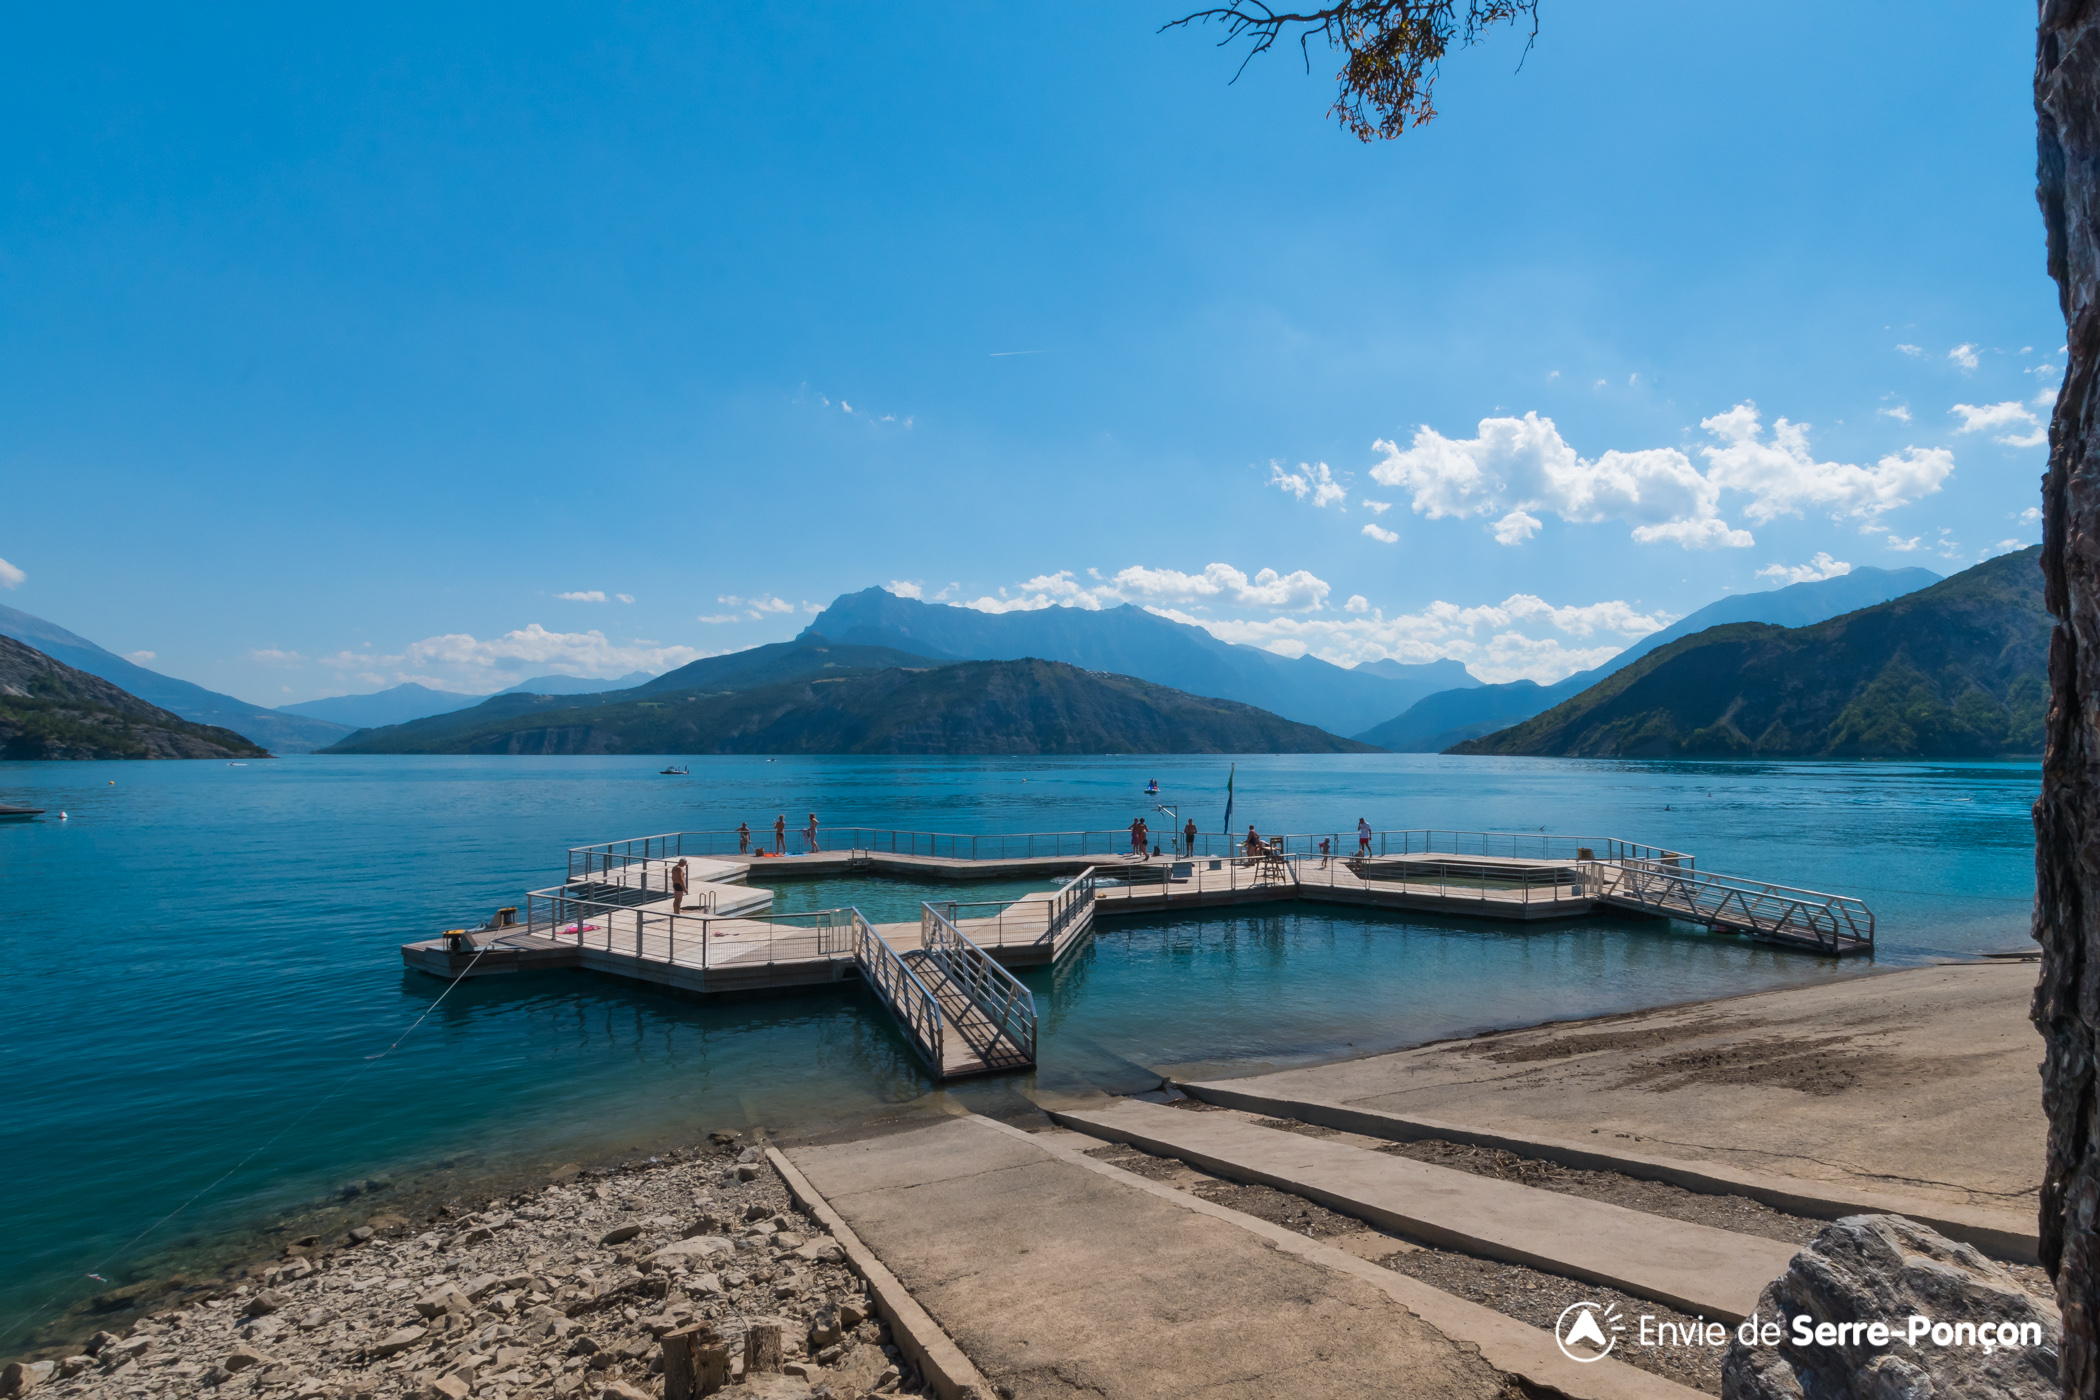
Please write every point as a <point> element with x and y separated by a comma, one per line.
<point>761,1347</point>
<point>696,1362</point>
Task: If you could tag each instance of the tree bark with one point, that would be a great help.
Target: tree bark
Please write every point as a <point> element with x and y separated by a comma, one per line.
<point>2067,815</point>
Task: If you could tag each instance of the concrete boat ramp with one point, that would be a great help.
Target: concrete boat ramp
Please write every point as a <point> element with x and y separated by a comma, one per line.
<point>947,976</point>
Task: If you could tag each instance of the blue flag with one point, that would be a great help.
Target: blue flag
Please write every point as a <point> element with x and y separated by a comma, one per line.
<point>1228,798</point>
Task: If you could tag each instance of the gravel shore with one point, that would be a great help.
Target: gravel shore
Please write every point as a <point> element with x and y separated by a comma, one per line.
<point>559,1292</point>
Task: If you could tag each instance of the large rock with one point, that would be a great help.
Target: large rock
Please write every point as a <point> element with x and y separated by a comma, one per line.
<point>692,1251</point>
<point>1866,1270</point>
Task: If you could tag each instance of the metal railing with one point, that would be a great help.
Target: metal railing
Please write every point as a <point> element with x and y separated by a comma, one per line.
<point>917,1010</point>
<point>697,939</point>
<point>1007,1006</point>
<point>584,861</point>
<point>1041,919</point>
<point>1833,922</point>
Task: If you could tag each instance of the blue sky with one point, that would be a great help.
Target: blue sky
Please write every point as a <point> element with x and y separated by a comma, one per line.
<point>336,348</point>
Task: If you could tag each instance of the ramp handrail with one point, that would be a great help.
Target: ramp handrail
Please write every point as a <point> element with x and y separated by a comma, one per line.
<point>1070,904</point>
<point>917,1010</point>
<point>1005,1002</point>
<point>623,929</point>
<point>1833,920</point>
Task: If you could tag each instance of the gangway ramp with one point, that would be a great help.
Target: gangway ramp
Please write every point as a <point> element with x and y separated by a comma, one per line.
<point>1826,923</point>
<point>962,1011</point>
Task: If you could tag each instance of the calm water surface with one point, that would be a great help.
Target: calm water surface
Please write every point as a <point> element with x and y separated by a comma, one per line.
<point>202,969</point>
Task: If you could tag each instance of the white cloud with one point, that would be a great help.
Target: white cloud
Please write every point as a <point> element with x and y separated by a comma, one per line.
<point>1901,413</point>
<point>2011,413</point>
<point>2031,516</point>
<point>141,657</point>
<point>461,660</point>
<point>2002,547</point>
<point>1513,466</point>
<point>758,606</point>
<point>1516,527</point>
<point>624,597</point>
<point>718,617</point>
<point>1314,481</point>
<point>1513,640</point>
<point>1357,603</point>
<point>1912,350</point>
<point>1820,567</point>
<point>1964,355</point>
<point>272,656</point>
<point>1905,546</point>
<point>1297,591</point>
<point>1782,477</point>
<point>904,589</point>
<point>595,595</point>
<point>1382,536</point>
<point>2046,398</point>
<point>1997,415</point>
<point>1376,507</point>
<point>10,576</point>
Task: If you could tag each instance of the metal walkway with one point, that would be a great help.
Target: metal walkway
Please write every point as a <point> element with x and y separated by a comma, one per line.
<point>962,1011</point>
<point>1825,923</point>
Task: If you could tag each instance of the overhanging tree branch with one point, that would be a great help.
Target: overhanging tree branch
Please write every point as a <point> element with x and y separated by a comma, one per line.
<point>1391,49</point>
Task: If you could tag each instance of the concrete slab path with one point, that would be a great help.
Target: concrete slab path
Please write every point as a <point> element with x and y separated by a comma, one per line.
<point>1694,1268</point>
<point>1063,1277</point>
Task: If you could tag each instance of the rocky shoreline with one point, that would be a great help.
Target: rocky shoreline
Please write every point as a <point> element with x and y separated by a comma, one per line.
<point>566,1291</point>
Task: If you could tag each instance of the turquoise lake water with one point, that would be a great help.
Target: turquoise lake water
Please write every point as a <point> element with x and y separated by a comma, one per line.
<point>201,963</point>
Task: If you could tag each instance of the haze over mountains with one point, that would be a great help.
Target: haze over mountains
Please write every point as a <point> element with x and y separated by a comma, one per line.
<point>833,705</point>
<point>1384,703</point>
<point>49,710</point>
<point>1436,722</point>
<point>1957,670</point>
<point>276,730</point>
<point>410,700</point>
<point>1129,641</point>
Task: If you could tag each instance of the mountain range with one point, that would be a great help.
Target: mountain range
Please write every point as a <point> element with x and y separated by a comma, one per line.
<point>1956,670</point>
<point>1436,722</point>
<point>1128,641</point>
<point>410,700</point>
<point>276,730</point>
<point>809,696</point>
<point>51,710</point>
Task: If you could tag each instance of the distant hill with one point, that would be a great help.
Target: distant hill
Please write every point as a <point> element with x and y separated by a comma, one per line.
<point>1957,670</point>
<point>742,670</point>
<point>395,706</point>
<point>1437,722</point>
<point>51,710</point>
<point>275,729</point>
<point>1128,641</point>
<point>1005,707</point>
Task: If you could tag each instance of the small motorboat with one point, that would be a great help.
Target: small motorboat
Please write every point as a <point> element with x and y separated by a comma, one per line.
<point>685,772</point>
<point>11,813</point>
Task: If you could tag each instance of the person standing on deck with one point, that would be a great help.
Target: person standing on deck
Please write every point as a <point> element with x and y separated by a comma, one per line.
<point>743,838</point>
<point>1137,836</point>
<point>1253,847</point>
<point>1363,836</point>
<point>780,834</point>
<point>678,887</point>
<point>809,834</point>
<point>1188,834</point>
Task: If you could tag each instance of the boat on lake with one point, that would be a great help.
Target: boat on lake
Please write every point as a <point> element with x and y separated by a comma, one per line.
<point>11,813</point>
<point>685,772</point>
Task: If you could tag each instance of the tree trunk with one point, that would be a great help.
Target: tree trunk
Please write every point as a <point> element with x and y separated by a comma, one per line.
<point>2067,816</point>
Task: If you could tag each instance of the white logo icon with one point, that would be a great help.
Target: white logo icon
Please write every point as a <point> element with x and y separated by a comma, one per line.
<point>1579,1323</point>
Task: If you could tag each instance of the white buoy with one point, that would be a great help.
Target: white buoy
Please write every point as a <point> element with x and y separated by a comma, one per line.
<point>62,816</point>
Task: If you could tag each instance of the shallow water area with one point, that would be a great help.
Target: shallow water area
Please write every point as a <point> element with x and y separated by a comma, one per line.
<point>211,1019</point>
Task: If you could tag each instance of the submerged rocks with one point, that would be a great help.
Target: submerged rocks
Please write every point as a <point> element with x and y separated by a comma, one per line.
<point>1951,1323</point>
